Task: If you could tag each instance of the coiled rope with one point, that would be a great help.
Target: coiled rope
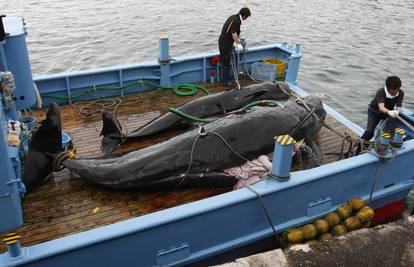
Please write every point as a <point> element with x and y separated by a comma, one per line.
<point>93,107</point>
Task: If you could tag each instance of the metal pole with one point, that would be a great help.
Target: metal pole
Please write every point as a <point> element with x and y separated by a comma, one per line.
<point>398,136</point>
<point>13,244</point>
<point>385,138</point>
<point>293,67</point>
<point>164,61</point>
<point>282,157</point>
<point>406,123</point>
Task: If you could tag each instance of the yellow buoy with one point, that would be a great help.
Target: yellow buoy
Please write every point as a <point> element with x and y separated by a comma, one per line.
<point>353,223</point>
<point>326,236</point>
<point>293,235</point>
<point>332,218</point>
<point>309,231</point>
<point>356,203</point>
<point>344,211</point>
<point>339,230</point>
<point>322,226</point>
<point>365,214</point>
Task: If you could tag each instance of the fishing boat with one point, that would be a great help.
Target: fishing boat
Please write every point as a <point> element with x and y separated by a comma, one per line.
<point>69,221</point>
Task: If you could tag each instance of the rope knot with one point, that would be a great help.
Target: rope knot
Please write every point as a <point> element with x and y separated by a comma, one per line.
<point>201,131</point>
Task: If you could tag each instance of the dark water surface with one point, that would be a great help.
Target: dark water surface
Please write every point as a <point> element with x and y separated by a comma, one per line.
<point>349,47</point>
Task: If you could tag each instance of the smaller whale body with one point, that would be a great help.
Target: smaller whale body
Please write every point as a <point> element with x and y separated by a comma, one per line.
<point>206,106</point>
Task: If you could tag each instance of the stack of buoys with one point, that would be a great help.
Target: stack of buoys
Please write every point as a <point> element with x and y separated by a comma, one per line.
<point>353,215</point>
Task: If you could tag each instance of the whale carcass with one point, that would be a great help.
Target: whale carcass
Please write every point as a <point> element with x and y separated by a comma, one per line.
<point>206,106</point>
<point>196,157</point>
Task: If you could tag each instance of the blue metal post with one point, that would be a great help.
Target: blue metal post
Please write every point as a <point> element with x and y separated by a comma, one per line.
<point>384,138</point>
<point>398,136</point>
<point>293,67</point>
<point>13,245</point>
<point>18,62</point>
<point>164,61</point>
<point>282,157</point>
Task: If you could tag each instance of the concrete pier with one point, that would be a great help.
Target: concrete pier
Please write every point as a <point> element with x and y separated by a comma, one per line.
<point>385,245</point>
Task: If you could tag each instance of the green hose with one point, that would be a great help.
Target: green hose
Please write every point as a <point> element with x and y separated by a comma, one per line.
<point>270,103</point>
<point>191,118</point>
<point>181,90</point>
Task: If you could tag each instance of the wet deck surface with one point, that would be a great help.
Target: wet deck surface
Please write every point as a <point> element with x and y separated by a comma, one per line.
<point>68,204</point>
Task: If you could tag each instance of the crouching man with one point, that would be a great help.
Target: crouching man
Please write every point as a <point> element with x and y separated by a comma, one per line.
<point>387,102</point>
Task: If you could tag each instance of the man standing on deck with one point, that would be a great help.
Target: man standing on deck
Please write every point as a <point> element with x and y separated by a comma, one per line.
<point>387,101</point>
<point>231,34</point>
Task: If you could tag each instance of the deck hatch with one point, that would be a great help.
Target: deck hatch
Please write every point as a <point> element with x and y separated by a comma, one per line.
<point>319,206</point>
<point>173,254</point>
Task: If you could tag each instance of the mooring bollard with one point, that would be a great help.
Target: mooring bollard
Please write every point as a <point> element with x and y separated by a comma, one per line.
<point>398,137</point>
<point>13,244</point>
<point>382,146</point>
<point>282,157</point>
<point>385,138</point>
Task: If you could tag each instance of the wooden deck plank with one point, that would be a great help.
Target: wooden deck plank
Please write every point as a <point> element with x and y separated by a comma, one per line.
<point>65,204</point>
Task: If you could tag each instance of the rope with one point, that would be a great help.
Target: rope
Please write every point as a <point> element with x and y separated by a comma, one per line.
<point>301,102</point>
<point>181,89</point>
<point>269,219</point>
<point>245,66</point>
<point>93,107</point>
<point>346,137</point>
<point>90,109</point>
<point>68,153</point>
<point>202,133</point>
<point>374,178</point>
<point>233,67</point>
<point>382,150</point>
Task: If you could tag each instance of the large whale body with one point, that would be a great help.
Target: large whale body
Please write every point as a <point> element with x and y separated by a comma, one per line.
<point>195,158</point>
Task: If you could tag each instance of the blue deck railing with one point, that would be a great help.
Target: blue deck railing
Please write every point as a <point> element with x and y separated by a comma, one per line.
<point>91,84</point>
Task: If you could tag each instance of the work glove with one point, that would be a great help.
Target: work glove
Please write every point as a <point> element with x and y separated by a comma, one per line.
<point>238,48</point>
<point>393,113</point>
